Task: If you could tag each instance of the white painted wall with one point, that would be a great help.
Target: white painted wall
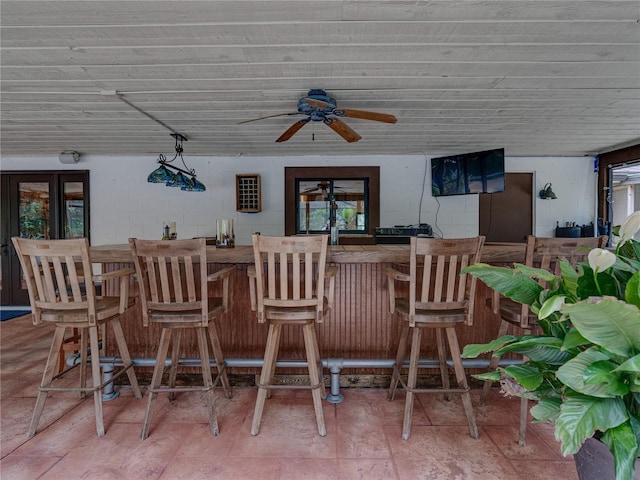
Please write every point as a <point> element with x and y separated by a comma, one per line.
<point>124,205</point>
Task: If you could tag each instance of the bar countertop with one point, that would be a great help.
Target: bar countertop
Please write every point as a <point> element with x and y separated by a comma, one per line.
<point>347,254</point>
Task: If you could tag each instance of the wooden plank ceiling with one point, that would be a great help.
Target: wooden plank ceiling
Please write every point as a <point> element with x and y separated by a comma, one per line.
<point>557,77</point>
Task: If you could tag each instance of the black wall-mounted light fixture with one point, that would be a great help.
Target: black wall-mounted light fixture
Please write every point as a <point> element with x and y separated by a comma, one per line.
<point>547,194</point>
<point>184,178</point>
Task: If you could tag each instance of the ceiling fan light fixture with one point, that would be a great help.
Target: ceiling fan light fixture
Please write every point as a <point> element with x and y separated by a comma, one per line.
<point>317,106</point>
<point>173,176</point>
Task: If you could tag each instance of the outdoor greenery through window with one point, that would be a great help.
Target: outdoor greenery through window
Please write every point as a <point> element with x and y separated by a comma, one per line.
<point>325,202</point>
<point>74,213</point>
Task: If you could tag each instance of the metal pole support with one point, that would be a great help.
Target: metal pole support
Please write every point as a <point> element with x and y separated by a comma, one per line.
<point>108,392</point>
<point>335,366</point>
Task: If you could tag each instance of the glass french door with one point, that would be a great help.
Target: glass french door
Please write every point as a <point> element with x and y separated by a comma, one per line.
<point>47,205</point>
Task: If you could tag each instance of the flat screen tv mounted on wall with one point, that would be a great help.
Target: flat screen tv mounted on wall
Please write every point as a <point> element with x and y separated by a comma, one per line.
<point>478,172</point>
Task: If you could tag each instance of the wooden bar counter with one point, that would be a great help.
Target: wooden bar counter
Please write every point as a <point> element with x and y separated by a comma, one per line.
<point>360,327</point>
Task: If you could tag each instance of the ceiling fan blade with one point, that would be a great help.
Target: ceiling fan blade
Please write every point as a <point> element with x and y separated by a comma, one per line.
<point>375,116</point>
<point>291,131</point>
<point>316,103</point>
<point>269,116</point>
<point>342,129</point>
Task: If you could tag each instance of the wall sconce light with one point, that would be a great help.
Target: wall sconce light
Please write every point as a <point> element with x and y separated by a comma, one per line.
<point>172,176</point>
<point>547,194</point>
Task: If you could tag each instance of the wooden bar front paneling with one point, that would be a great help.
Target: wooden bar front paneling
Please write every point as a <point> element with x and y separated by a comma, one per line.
<point>359,327</point>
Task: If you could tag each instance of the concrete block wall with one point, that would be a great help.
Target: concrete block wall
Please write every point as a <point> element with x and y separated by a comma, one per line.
<point>123,204</point>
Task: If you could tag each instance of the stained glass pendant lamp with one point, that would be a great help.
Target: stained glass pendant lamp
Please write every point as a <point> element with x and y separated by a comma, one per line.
<point>173,176</point>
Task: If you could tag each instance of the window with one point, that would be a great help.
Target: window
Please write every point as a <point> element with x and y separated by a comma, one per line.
<point>318,198</point>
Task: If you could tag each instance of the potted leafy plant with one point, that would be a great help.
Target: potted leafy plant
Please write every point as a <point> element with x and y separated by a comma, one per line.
<point>583,370</point>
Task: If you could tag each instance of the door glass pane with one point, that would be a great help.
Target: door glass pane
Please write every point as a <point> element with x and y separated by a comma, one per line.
<point>34,210</point>
<point>73,215</point>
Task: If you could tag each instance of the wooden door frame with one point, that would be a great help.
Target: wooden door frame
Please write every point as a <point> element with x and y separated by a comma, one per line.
<point>9,220</point>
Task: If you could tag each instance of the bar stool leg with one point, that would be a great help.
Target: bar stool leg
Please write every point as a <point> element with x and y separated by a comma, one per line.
<point>207,380</point>
<point>276,349</point>
<point>493,364</point>
<point>84,352</point>
<point>217,354</point>
<point>402,350</point>
<point>312,362</point>
<point>268,366</point>
<point>462,380</point>
<point>126,356</point>
<point>524,417</point>
<point>411,381</point>
<point>97,380</point>
<point>524,413</point>
<point>163,348</point>
<point>175,357</point>
<point>47,376</point>
<point>323,390</point>
<point>442,358</point>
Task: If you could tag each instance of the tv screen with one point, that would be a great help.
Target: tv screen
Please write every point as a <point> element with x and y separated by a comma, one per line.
<point>478,172</point>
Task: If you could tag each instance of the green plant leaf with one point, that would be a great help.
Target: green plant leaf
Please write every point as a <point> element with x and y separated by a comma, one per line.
<point>580,416</point>
<point>624,446</point>
<point>569,277</point>
<point>630,365</point>
<point>534,272</point>
<point>527,376</point>
<point>547,409</point>
<point>572,373</point>
<point>587,287</point>
<point>539,349</point>
<point>635,426</point>
<point>630,249</point>
<point>603,373</point>
<point>573,339</point>
<point>632,291</point>
<point>475,349</point>
<point>507,281</point>
<point>551,305</point>
<point>607,322</point>
<point>493,376</point>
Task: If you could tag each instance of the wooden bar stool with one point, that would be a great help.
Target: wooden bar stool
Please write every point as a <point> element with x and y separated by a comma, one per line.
<point>440,299</point>
<point>173,280</point>
<point>57,296</point>
<point>540,252</point>
<point>287,286</point>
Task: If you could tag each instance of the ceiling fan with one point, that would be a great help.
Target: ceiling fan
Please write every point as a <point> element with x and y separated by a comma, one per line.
<point>319,107</point>
<point>321,191</point>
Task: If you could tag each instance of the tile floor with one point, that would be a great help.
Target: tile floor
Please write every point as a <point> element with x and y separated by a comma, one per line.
<point>363,434</point>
